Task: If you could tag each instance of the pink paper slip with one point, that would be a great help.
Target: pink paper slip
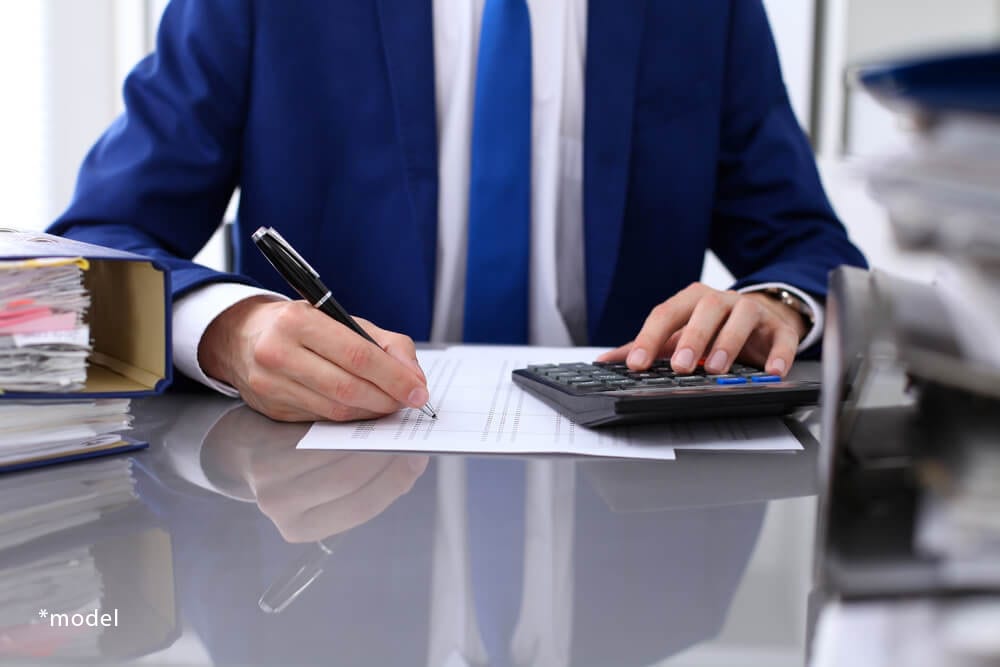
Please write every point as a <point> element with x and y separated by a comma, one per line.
<point>45,321</point>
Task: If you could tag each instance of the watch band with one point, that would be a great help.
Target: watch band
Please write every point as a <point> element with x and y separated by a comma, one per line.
<point>792,301</point>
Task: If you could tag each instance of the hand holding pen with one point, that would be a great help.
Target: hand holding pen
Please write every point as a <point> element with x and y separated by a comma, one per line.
<point>292,362</point>
<point>304,279</point>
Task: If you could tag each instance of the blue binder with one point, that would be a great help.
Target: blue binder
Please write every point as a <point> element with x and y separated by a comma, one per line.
<point>957,83</point>
<point>122,446</point>
<point>129,319</point>
<point>129,316</point>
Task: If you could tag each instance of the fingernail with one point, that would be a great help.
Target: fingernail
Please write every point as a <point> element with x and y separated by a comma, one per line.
<point>779,366</point>
<point>637,357</point>
<point>418,463</point>
<point>683,359</point>
<point>418,398</point>
<point>718,360</point>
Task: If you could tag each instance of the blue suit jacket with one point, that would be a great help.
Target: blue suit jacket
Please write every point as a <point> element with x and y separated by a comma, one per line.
<point>323,114</point>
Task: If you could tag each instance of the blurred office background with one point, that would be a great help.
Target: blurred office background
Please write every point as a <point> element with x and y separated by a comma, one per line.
<point>62,63</point>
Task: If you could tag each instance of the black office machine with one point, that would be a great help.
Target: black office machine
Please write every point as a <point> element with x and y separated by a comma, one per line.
<point>599,394</point>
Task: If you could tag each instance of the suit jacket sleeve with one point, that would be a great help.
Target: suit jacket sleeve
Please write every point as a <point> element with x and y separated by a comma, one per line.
<point>160,178</point>
<point>772,221</point>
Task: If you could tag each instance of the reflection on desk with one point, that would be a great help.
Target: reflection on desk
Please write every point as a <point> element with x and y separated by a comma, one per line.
<point>621,564</point>
<point>75,541</point>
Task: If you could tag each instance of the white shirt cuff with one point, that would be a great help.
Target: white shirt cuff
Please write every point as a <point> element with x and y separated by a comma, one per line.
<point>191,316</point>
<point>818,311</point>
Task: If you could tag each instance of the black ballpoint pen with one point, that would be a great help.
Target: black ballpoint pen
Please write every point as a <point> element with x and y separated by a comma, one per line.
<point>304,279</point>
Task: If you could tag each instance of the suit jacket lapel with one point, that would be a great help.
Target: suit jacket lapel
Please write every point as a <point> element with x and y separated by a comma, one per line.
<point>408,40</point>
<point>614,34</point>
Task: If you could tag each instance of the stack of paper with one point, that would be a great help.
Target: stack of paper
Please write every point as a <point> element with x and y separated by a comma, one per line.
<point>481,411</point>
<point>44,342</point>
<point>35,429</point>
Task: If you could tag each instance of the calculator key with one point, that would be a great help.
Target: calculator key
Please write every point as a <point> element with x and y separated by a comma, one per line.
<point>692,380</point>
<point>621,383</point>
<point>606,376</point>
<point>577,378</point>
<point>733,379</point>
<point>590,386</point>
<point>659,382</point>
<point>765,379</point>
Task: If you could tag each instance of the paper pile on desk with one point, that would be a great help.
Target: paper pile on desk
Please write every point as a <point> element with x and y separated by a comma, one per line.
<point>34,429</point>
<point>44,342</point>
<point>481,411</point>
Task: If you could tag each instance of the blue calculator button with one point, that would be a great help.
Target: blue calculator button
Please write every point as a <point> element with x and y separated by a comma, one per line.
<point>766,379</point>
<point>735,380</point>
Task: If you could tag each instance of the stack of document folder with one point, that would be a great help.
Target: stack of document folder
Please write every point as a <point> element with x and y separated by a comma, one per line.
<point>49,429</point>
<point>44,345</point>
<point>943,196</point>
<point>69,358</point>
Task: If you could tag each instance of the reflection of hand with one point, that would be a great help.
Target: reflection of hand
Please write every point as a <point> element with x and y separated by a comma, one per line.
<point>311,495</point>
<point>719,326</point>
<point>293,363</point>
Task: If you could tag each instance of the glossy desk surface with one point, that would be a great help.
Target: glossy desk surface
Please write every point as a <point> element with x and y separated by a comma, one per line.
<point>239,550</point>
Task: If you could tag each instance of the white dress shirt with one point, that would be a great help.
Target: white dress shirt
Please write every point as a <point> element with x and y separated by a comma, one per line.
<point>557,314</point>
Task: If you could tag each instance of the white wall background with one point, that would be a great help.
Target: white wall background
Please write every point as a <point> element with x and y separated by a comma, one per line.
<point>22,115</point>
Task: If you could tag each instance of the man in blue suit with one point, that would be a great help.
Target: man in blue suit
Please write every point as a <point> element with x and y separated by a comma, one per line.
<point>498,170</point>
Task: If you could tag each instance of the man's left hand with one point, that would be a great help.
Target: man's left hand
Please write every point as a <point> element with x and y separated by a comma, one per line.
<point>721,327</point>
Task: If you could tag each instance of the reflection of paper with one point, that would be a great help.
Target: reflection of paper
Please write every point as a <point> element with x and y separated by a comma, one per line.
<point>481,411</point>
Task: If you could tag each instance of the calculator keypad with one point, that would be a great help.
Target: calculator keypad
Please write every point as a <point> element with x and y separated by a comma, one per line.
<point>601,376</point>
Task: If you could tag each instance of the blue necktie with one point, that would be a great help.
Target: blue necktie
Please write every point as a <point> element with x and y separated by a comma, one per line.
<point>495,493</point>
<point>496,283</point>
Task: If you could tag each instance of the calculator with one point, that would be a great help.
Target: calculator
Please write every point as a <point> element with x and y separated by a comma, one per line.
<point>600,394</point>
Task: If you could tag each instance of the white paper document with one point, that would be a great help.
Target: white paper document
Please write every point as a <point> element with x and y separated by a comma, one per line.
<point>481,411</point>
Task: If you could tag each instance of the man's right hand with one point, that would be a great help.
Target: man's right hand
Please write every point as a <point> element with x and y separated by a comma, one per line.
<point>291,362</point>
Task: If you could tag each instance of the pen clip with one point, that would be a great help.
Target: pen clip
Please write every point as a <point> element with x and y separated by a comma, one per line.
<point>286,246</point>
